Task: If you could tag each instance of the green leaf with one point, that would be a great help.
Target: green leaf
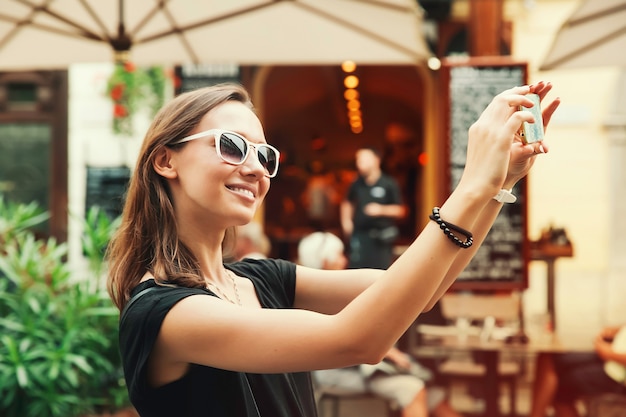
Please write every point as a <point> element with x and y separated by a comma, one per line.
<point>71,376</point>
<point>81,363</point>
<point>34,305</point>
<point>103,312</point>
<point>54,371</point>
<point>22,376</point>
<point>11,325</point>
<point>24,345</point>
<point>12,349</point>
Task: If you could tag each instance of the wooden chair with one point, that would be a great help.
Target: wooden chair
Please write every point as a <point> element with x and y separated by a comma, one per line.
<point>336,396</point>
<point>467,368</point>
<point>607,405</point>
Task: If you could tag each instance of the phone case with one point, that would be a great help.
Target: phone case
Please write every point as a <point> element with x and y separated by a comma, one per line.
<point>532,132</point>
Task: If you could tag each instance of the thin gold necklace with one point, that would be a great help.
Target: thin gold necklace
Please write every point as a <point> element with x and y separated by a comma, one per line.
<point>222,294</point>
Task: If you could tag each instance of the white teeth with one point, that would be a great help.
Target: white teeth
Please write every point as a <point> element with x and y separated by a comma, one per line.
<point>243,191</point>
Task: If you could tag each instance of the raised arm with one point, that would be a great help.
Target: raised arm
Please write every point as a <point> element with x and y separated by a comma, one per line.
<point>221,334</point>
<point>496,159</point>
<point>521,160</point>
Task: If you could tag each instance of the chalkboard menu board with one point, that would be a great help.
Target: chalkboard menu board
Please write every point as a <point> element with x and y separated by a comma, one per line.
<point>501,262</point>
<point>106,188</point>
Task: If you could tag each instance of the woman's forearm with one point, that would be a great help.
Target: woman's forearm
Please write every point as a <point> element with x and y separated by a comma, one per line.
<point>480,229</point>
<point>496,159</point>
<point>407,287</point>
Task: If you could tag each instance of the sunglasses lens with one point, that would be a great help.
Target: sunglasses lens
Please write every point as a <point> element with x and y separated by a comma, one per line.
<point>233,148</point>
<point>268,159</point>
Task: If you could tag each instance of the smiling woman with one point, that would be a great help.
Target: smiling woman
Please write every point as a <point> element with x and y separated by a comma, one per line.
<point>189,319</point>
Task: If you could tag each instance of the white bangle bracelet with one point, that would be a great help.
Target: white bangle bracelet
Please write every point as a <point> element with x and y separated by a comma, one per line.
<point>505,196</point>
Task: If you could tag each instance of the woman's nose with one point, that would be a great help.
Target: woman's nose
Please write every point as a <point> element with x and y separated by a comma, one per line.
<point>252,162</point>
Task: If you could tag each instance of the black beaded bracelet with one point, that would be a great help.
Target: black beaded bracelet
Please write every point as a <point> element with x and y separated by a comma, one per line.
<point>447,227</point>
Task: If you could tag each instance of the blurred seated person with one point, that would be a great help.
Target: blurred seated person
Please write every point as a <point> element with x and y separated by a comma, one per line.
<point>320,197</point>
<point>398,378</point>
<point>563,379</point>
<point>251,242</point>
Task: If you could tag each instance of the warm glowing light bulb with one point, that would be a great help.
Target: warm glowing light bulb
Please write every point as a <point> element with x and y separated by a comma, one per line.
<point>353,105</point>
<point>348,66</point>
<point>355,120</point>
<point>351,81</point>
<point>350,94</point>
<point>357,129</point>
<point>434,63</point>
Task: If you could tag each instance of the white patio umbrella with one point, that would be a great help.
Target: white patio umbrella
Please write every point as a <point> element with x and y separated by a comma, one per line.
<point>594,35</point>
<point>56,33</point>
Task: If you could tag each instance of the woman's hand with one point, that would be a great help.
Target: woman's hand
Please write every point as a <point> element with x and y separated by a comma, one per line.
<point>489,148</point>
<point>496,156</point>
<point>523,156</point>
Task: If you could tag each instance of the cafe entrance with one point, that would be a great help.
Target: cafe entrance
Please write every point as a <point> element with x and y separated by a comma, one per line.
<point>306,115</point>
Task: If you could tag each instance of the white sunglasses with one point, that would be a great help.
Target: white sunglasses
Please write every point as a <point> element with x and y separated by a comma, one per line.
<point>234,149</point>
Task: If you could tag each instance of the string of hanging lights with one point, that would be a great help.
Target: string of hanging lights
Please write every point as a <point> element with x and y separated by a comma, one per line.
<point>351,94</point>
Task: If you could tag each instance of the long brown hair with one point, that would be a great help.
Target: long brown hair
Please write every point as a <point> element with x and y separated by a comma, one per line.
<point>147,239</point>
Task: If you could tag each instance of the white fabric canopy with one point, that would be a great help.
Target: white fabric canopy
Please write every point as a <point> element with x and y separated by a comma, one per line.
<point>56,33</point>
<point>595,35</point>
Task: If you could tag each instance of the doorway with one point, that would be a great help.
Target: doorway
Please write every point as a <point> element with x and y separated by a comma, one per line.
<point>305,114</point>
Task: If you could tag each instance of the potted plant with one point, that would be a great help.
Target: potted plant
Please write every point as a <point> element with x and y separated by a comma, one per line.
<point>58,331</point>
<point>131,88</point>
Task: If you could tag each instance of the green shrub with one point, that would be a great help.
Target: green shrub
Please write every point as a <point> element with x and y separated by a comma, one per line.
<point>58,331</point>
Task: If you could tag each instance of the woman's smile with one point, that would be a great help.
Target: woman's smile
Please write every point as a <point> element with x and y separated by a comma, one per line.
<point>245,190</point>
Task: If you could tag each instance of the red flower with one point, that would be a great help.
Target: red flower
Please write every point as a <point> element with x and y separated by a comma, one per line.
<point>129,67</point>
<point>119,111</point>
<point>117,92</point>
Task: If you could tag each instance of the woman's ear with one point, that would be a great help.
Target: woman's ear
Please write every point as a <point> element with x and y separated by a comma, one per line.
<point>162,163</point>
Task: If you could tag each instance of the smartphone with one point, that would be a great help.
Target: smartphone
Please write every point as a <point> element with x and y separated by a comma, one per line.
<point>532,132</point>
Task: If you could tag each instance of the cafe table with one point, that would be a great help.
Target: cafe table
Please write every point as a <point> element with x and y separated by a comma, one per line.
<point>441,341</point>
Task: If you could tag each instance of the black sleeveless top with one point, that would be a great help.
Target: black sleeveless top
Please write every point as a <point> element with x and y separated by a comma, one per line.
<point>206,391</point>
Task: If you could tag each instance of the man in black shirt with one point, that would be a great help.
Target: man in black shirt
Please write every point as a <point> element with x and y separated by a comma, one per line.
<point>369,212</point>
